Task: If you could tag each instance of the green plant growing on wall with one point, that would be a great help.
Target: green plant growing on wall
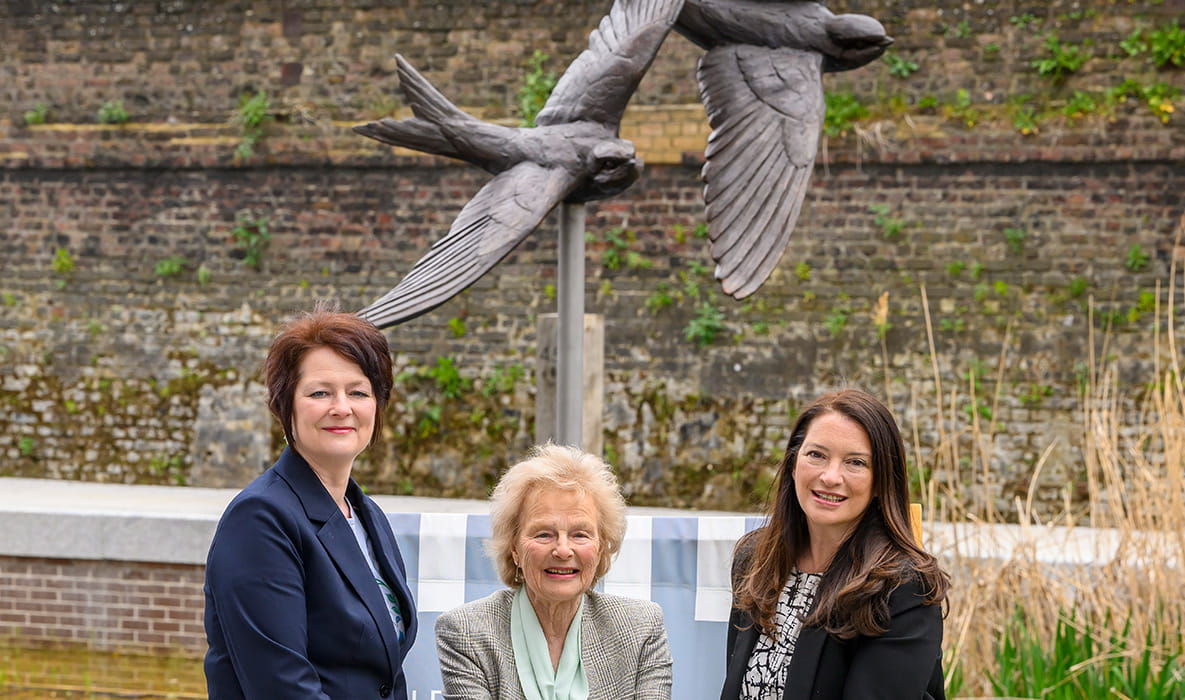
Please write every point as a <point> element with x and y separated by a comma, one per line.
<point>1079,15</point>
<point>955,268</point>
<point>660,298</point>
<point>890,226</point>
<point>1025,21</point>
<point>1016,240</point>
<point>981,292</point>
<point>112,112</point>
<point>503,380</point>
<point>203,274</point>
<point>1136,259</point>
<point>952,325</point>
<point>9,298</point>
<point>1062,59</point>
<point>536,87</point>
<point>38,115</point>
<point>448,379</point>
<point>1022,115</point>
<point>25,445</point>
<point>843,110</point>
<point>961,109</point>
<point>837,320</point>
<point>252,235</point>
<point>1079,105</point>
<point>706,325</point>
<point>251,117</point>
<point>1145,305</point>
<point>457,326</point>
<point>1035,394</point>
<point>962,30</point>
<point>975,374</point>
<point>802,271</point>
<point>1166,45</point>
<point>1078,287</point>
<point>1159,98</point>
<point>900,67</point>
<point>63,266</point>
<point>976,270</point>
<point>1134,44</point>
<point>170,467</point>
<point>618,253</point>
<point>170,266</point>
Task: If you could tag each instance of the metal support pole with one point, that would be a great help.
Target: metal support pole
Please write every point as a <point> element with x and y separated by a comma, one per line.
<point>570,326</point>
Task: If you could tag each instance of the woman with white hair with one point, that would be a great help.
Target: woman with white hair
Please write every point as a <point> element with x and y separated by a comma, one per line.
<point>558,519</point>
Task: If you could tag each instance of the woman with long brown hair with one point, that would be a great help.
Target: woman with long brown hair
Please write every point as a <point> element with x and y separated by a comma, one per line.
<point>832,598</point>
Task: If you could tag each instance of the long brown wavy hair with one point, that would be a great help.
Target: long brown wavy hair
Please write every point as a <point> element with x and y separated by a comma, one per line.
<point>879,554</point>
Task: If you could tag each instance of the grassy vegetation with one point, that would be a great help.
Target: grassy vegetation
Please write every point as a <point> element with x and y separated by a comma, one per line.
<point>1105,625</point>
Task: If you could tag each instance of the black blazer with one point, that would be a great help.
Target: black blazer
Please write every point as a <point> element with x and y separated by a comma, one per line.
<point>292,610</point>
<point>905,663</point>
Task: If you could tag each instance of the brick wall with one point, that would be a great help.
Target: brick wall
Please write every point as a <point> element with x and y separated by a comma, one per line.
<point>110,606</point>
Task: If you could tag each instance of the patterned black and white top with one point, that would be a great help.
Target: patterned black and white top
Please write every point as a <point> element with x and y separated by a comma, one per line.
<point>765,676</point>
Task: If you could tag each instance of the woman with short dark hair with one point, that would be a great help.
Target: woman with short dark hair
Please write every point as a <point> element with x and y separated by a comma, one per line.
<point>306,593</point>
<point>832,598</point>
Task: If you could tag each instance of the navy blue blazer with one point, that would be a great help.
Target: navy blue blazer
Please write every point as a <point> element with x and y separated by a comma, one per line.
<point>905,663</point>
<point>292,610</point>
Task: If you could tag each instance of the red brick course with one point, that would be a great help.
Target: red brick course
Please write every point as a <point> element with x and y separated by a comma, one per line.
<point>132,607</point>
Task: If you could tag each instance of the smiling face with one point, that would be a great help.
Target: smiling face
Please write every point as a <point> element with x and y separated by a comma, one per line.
<point>333,410</point>
<point>833,475</point>
<point>558,545</point>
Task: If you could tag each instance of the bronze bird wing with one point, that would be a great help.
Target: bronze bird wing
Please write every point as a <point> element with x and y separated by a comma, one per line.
<point>496,220</point>
<point>599,83</point>
<point>765,107</point>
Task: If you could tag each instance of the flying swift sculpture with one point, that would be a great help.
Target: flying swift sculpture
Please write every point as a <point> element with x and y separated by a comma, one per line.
<point>572,155</point>
<point>761,82</point>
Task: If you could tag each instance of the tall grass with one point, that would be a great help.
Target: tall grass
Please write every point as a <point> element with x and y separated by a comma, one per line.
<point>1092,596</point>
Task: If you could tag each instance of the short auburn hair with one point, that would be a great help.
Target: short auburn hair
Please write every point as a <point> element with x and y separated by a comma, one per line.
<point>563,469</point>
<point>350,336</point>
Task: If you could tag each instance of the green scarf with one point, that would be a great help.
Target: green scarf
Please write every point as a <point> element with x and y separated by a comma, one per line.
<point>533,660</point>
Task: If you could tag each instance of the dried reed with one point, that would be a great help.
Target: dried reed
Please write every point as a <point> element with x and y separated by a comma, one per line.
<point>1119,557</point>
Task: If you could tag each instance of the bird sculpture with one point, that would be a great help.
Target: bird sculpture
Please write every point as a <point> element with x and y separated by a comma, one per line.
<point>761,82</point>
<point>572,154</point>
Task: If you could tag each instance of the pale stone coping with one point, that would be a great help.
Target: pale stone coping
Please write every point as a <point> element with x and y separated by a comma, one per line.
<point>167,524</point>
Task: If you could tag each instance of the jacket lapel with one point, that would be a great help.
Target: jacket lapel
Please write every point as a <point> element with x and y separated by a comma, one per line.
<point>746,640</point>
<point>593,654</point>
<point>338,539</point>
<point>801,674</point>
<point>386,552</point>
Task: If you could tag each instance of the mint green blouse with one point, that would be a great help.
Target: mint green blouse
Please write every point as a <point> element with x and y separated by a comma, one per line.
<point>533,660</point>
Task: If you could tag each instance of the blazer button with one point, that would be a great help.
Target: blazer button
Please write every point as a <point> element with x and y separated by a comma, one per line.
<point>384,690</point>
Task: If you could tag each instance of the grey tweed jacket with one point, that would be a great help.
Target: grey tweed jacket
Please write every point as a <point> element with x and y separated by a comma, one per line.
<point>624,649</point>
